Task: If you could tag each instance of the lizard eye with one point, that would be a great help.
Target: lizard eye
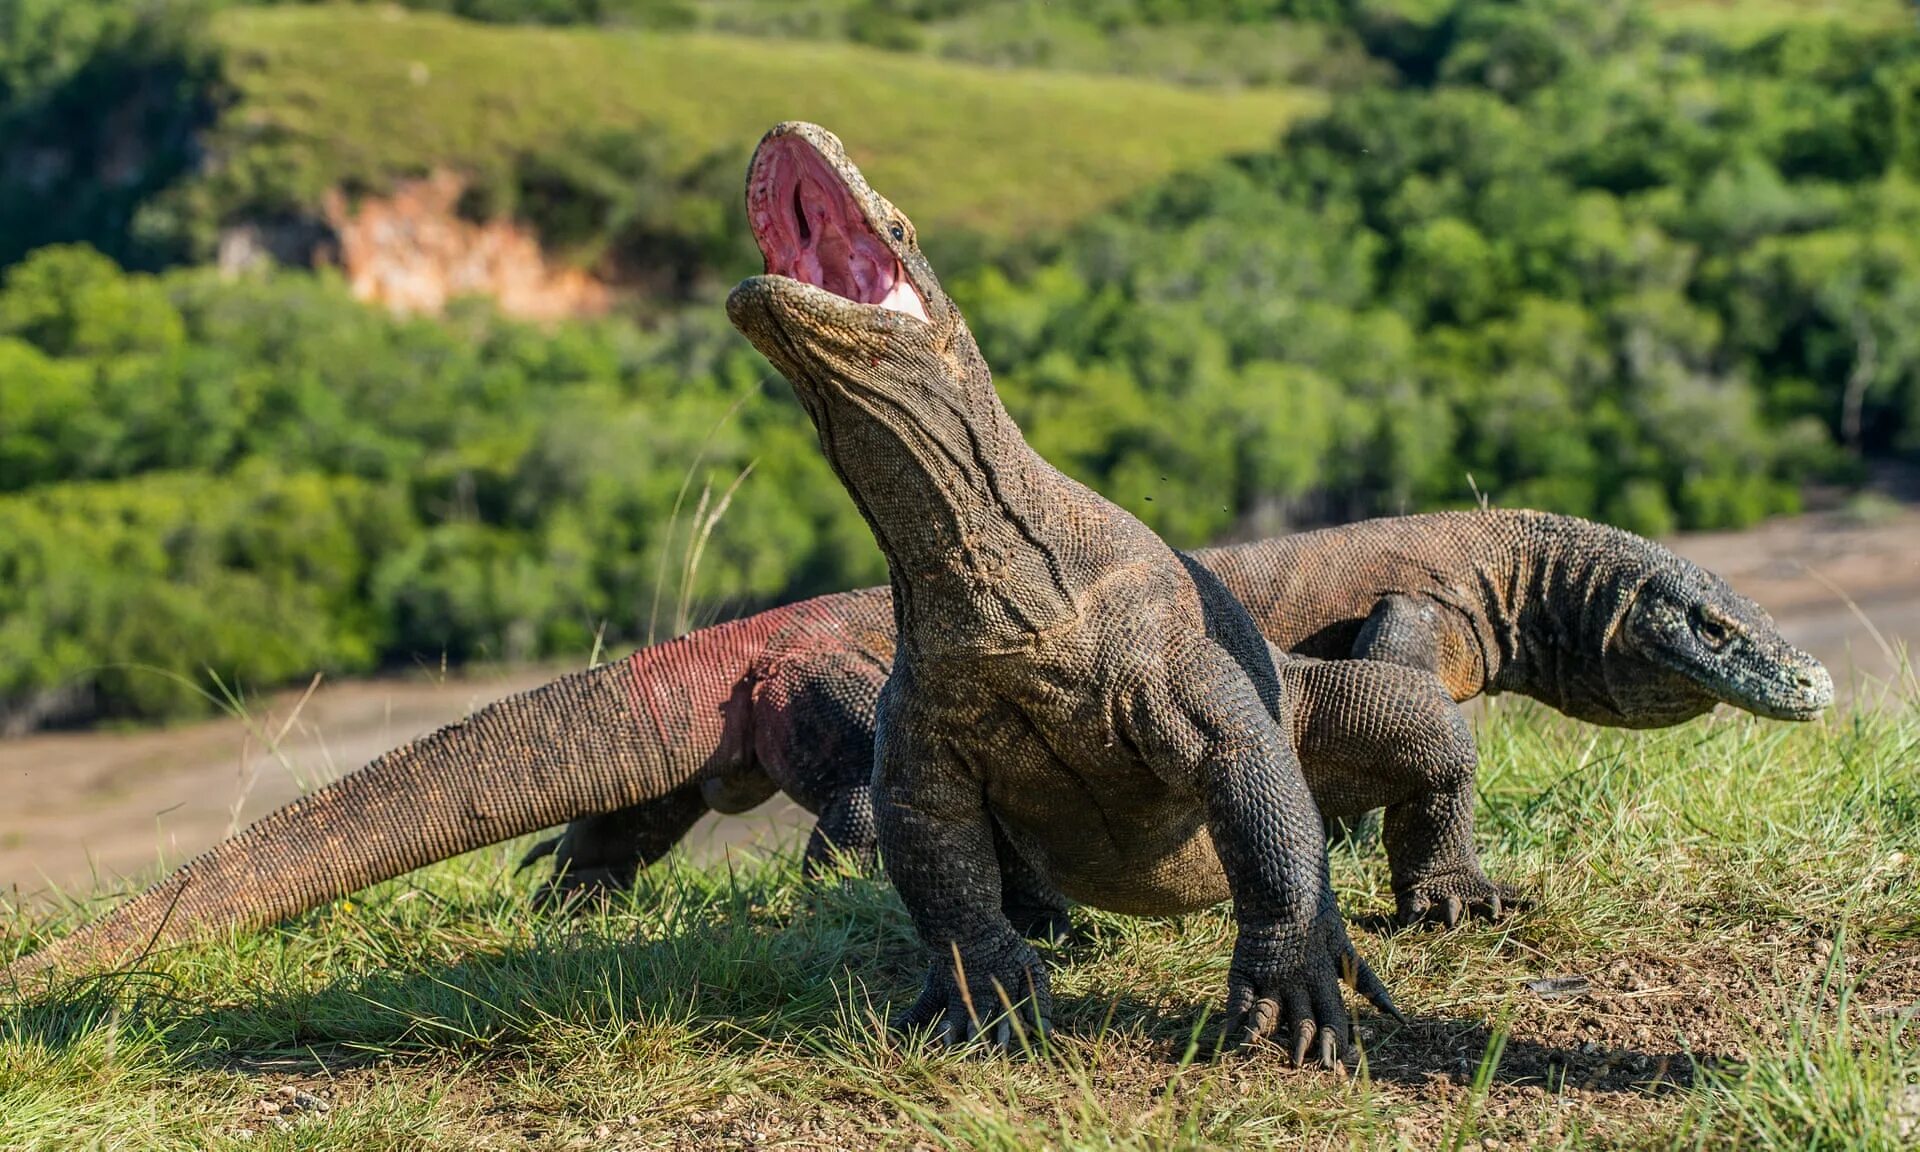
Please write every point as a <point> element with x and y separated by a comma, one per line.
<point>1712,633</point>
<point>897,232</point>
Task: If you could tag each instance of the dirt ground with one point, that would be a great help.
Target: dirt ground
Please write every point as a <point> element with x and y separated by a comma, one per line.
<point>87,807</point>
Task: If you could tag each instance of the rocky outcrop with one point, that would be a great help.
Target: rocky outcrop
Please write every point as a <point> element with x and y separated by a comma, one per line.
<point>413,252</point>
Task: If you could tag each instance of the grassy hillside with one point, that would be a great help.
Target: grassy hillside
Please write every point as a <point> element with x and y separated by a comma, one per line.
<point>358,96</point>
<point>1734,893</point>
<point>1739,21</point>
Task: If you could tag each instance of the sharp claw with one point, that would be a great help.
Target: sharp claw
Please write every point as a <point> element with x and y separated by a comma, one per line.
<point>1375,990</point>
<point>1329,1049</point>
<point>1263,1019</point>
<point>1412,911</point>
<point>1302,1039</point>
<point>1450,911</point>
<point>1230,1030</point>
<point>1003,1034</point>
<point>1495,906</point>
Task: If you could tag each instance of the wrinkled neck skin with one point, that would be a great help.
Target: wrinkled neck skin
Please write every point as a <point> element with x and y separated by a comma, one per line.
<point>1562,621</point>
<point>1557,629</point>
<point>960,505</point>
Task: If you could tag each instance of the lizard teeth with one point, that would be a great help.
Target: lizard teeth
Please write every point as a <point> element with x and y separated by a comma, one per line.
<point>902,298</point>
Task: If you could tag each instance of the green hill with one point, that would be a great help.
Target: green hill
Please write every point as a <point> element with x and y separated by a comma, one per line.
<point>355,96</point>
<point>1740,21</point>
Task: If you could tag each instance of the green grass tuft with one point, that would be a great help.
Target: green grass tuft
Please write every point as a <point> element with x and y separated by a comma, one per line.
<point>1835,1081</point>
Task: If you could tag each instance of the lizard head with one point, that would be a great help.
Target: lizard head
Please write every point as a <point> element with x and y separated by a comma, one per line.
<point>1688,641</point>
<point>852,315</point>
<point>846,289</point>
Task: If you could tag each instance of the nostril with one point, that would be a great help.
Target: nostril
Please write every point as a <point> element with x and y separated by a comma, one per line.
<point>1815,681</point>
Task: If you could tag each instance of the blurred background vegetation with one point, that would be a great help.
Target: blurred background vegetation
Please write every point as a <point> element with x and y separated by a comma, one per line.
<point>1243,265</point>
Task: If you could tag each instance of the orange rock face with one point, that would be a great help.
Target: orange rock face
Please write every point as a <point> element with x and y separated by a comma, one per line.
<point>413,252</point>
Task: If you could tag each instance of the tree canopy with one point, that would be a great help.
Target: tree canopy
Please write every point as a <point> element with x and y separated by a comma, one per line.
<point>1547,255</point>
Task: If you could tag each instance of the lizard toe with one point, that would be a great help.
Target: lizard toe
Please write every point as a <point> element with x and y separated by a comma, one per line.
<point>1005,1005</point>
<point>1452,900</point>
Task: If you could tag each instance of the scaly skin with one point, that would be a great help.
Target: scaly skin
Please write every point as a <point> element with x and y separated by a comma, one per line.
<point>1601,624</point>
<point>1066,687</point>
<point>1569,612</point>
<point>672,727</point>
<point>1594,621</point>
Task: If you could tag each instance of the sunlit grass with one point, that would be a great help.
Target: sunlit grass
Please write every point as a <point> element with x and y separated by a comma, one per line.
<point>1736,892</point>
<point>1739,21</point>
<point>357,96</point>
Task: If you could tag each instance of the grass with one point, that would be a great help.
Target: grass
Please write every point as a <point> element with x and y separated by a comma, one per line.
<point>1044,34</point>
<point>1742,897</point>
<point>1741,21</point>
<point>357,96</point>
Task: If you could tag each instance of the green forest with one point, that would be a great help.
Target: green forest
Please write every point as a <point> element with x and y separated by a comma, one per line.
<point>1655,265</point>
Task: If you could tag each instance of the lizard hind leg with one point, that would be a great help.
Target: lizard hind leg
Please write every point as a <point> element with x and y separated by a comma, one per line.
<point>596,856</point>
<point>1037,909</point>
<point>845,834</point>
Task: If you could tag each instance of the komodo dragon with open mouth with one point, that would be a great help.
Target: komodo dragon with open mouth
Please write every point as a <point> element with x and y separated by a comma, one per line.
<point>1066,688</point>
<point>1598,622</point>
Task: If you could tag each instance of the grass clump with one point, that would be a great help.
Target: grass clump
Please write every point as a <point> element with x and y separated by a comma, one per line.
<point>1740,898</point>
<point>1836,1082</point>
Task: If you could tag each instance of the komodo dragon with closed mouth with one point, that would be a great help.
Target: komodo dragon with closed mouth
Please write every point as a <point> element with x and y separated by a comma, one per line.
<point>706,720</point>
<point>1067,688</point>
<point>1590,619</point>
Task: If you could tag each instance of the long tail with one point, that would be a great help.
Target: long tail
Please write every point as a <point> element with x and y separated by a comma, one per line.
<point>590,742</point>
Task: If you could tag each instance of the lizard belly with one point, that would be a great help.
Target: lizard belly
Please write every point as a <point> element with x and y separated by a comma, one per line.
<point>1126,844</point>
<point>1089,812</point>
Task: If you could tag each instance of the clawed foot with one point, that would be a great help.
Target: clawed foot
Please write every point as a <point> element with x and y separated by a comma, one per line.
<point>1299,1003</point>
<point>1447,900</point>
<point>1005,1004</point>
<point>1050,926</point>
<point>572,885</point>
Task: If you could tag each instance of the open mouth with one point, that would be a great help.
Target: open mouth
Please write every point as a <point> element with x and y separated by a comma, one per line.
<point>811,229</point>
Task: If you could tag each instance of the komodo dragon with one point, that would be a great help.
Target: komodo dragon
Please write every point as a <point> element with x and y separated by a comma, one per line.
<point>1592,620</point>
<point>1169,693</point>
<point>1066,688</point>
<point>1588,618</point>
<point>1599,622</point>
<point>1595,621</point>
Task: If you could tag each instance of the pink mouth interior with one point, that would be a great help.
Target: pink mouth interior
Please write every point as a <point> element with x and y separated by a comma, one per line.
<point>811,229</point>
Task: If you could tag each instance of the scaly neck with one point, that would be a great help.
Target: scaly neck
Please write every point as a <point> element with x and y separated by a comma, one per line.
<point>964,510</point>
<point>1568,590</point>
